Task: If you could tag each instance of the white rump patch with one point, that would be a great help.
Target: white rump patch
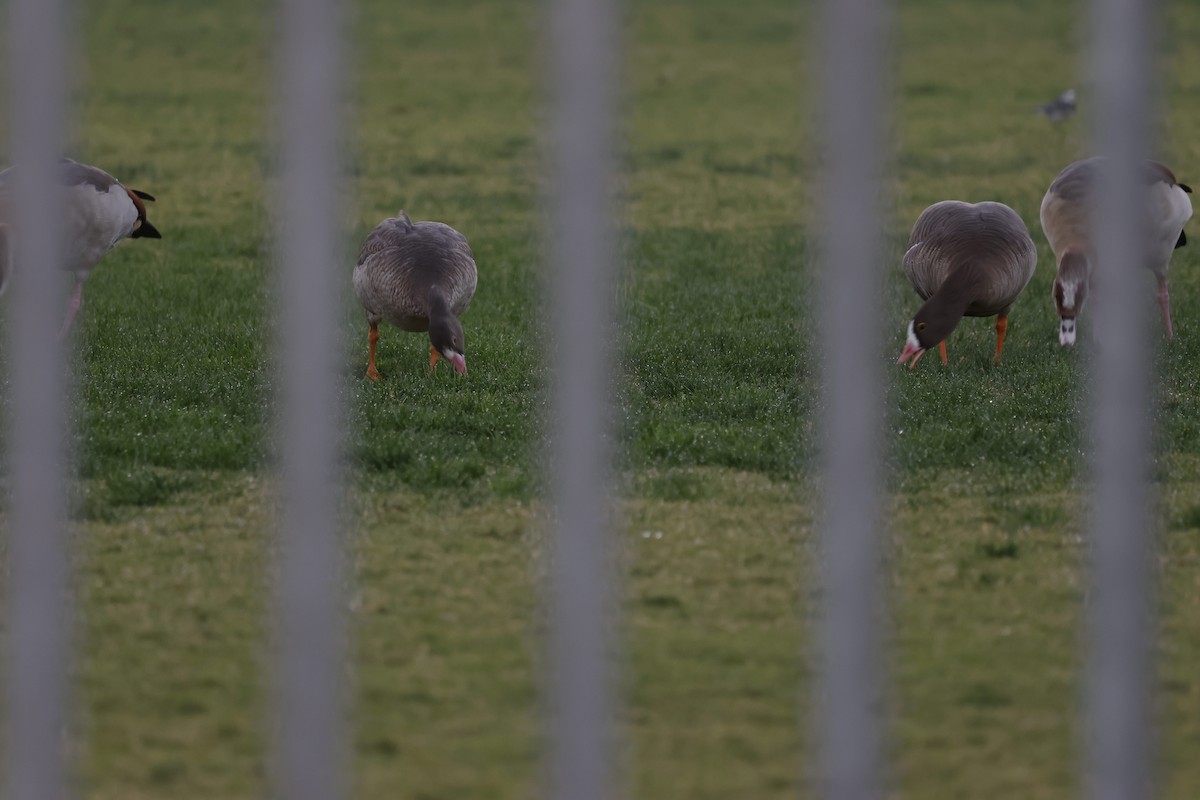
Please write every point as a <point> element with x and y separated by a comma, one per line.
<point>912,337</point>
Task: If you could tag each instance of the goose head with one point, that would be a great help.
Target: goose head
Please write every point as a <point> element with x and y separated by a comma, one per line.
<point>932,324</point>
<point>1068,299</point>
<point>446,336</point>
<point>1070,291</point>
<point>142,229</point>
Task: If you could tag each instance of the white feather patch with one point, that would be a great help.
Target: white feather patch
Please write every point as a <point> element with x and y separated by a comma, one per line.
<point>1066,332</point>
<point>1068,295</point>
<point>912,337</point>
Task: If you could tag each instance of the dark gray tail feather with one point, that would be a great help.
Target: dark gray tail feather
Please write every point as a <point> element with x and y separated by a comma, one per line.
<point>1182,240</point>
<point>146,231</point>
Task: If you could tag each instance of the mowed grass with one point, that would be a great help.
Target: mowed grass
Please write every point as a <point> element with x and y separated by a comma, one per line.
<point>717,402</point>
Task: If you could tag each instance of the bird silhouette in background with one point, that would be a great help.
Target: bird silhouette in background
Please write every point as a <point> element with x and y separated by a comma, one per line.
<point>1059,108</point>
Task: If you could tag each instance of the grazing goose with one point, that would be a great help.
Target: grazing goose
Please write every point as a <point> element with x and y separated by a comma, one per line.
<point>1066,211</point>
<point>964,259</point>
<point>99,211</point>
<point>418,276</point>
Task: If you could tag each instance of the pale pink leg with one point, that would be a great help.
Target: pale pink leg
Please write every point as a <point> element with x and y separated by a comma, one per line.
<point>1164,302</point>
<point>73,305</point>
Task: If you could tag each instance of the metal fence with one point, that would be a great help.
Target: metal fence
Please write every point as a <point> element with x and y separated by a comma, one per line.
<point>310,743</point>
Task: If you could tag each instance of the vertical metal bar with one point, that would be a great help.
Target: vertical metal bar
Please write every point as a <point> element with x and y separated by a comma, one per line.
<point>1119,615</point>
<point>583,65</point>
<point>853,39</point>
<point>39,630</point>
<point>310,743</point>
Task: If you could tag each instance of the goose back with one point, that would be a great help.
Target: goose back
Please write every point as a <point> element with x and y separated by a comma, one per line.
<point>98,212</point>
<point>988,240</point>
<point>1067,207</point>
<point>402,261</point>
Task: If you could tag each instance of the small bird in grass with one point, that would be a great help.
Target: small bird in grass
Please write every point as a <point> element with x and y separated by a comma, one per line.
<point>1066,219</point>
<point>1059,108</point>
<point>419,276</point>
<point>964,259</point>
<point>99,211</point>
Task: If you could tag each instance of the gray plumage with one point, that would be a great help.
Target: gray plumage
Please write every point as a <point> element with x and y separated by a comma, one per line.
<point>419,276</point>
<point>402,260</point>
<point>968,260</point>
<point>72,173</point>
<point>987,239</point>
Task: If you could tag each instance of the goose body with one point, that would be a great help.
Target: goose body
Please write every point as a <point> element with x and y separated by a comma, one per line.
<point>418,276</point>
<point>1066,219</point>
<point>965,259</point>
<point>98,212</point>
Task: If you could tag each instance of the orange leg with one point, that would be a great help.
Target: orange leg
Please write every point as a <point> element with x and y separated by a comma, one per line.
<point>434,355</point>
<point>1001,329</point>
<point>73,305</point>
<point>1164,302</point>
<point>942,352</point>
<point>372,338</point>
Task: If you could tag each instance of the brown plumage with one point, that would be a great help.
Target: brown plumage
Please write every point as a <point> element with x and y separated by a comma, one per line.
<point>419,276</point>
<point>1066,219</point>
<point>965,259</point>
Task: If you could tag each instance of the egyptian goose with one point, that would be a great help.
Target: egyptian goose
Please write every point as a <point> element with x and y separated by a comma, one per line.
<point>99,211</point>
<point>1066,211</point>
<point>969,260</point>
<point>419,276</point>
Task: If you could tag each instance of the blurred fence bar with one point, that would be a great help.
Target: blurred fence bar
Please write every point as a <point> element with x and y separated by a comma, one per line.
<point>1119,615</point>
<point>853,39</point>
<point>311,737</point>
<point>583,69</point>
<point>38,647</point>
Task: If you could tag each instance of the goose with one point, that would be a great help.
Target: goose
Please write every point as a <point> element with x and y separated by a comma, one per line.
<point>1066,211</point>
<point>419,276</point>
<point>98,212</point>
<point>965,259</point>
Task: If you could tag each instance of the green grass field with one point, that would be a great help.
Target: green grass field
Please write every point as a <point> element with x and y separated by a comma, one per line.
<point>717,398</point>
